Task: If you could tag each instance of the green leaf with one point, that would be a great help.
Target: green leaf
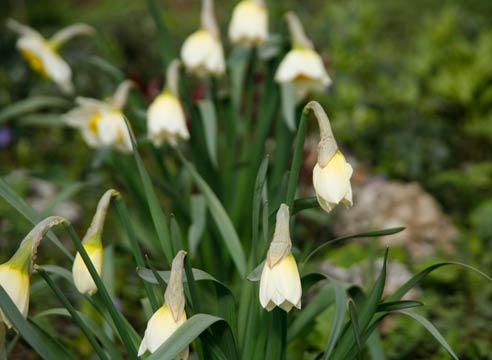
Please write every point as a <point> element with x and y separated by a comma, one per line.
<point>96,329</point>
<point>338,320</point>
<point>255,275</point>
<point>25,210</point>
<point>417,278</point>
<point>183,336</point>
<point>198,222</point>
<point>397,305</point>
<point>198,275</point>
<point>238,64</point>
<point>376,233</point>
<point>209,119</point>
<point>288,105</point>
<point>31,104</point>
<point>432,329</point>
<point>305,203</point>
<point>45,346</point>
<point>354,319</point>
<point>57,270</point>
<point>222,220</point>
<point>257,201</point>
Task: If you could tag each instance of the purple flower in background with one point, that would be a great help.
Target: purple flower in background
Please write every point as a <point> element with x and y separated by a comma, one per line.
<point>5,136</point>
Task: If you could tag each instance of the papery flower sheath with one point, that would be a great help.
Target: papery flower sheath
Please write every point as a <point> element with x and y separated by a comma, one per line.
<point>166,120</point>
<point>302,66</point>
<point>170,316</point>
<point>280,284</point>
<point>332,173</point>
<point>42,54</point>
<point>202,52</point>
<point>15,273</point>
<point>102,123</point>
<point>93,246</point>
<point>249,23</point>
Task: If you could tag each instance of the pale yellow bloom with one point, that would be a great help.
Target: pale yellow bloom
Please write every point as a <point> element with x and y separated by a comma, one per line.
<point>42,54</point>
<point>302,66</point>
<point>102,123</point>
<point>202,52</point>
<point>332,173</point>
<point>280,283</point>
<point>81,277</point>
<point>170,316</point>
<point>249,23</point>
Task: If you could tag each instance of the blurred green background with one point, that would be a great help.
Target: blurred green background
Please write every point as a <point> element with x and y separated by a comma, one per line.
<point>411,102</point>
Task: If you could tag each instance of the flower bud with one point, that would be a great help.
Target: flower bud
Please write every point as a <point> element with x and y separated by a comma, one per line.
<point>280,284</point>
<point>249,23</point>
<point>93,246</point>
<point>169,316</point>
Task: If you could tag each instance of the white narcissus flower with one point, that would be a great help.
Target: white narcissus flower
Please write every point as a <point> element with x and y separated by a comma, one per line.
<point>170,316</point>
<point>102,123</point>
<point>202,52</point>
<point>93,246</point>
<point>280,284</point>
<point>302,66</point>
<point>166,119</point>
<point>42,54</point>
<point>249,23</point>
<point>15,273</point>
<point>332,173</point>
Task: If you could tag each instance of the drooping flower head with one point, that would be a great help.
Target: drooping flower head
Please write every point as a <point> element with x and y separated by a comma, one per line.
<point>42,54</point>
<point>170,316</point>
<point>332,173</point>
<point>249,23</point>
<point>93,246</point>
<point>302,66</point>
<point>280,284</point>
<point>102,123</point>
<point>166,120</point>
<point>202,52</point>
<point>15,273</point>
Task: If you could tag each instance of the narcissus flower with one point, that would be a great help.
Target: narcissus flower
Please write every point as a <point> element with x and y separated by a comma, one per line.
<point>202,52</point>
<point>93,246</point>
<point>332,173</point>
<point>302,66</point>
<point>15,273</point>
<point>102,123</point>
<point>169,316</point>
<point>42,54</point>
<point>249,23</point>
<point>166,119</point>
<point>280,284</point>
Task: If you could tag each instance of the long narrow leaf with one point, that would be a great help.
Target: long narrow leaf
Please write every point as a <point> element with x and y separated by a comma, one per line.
<point>338,320</point>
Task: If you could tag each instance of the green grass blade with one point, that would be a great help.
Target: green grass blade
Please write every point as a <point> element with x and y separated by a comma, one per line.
<point>338,320</point>
<point>397,305</point>
<point>45,346</point>
<point>31,104</point>
<point>199,220</point>
<point>222,220</point>
<point>354,319</point>
<point>209,120</point>
<point>257,202</point>
<point>432,329</point>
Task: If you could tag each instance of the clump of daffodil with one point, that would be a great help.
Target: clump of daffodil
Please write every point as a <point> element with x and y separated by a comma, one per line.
<point>102,123</point>
<point>169,316</point>
<point>331,174</point>
<point>42,54</point>
<point>15,273</point>
<point>280,284</point>
<point>249,23</point>
<point>302,66</point>
<point>93,246</point>
<point>202,52</point>
<point>166,119</point>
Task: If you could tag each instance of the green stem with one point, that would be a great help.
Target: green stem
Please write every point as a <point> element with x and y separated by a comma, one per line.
<point>137,254</point>
<point>166,45</point>
<point>114,313</point>
<point>3,352</point>
<point>297,159</point>
<point>99,350</point>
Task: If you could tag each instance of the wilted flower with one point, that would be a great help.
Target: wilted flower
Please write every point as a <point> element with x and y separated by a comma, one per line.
<point>42,54</point>
<point>331,174</point>
<point>280,284</point>
<point>15,273</point>
<point>249,23</point>
<point>202,51</point>
<point>165,118</point>
<point>102,123</point>
<point>302,66</point>
<point>169,316</point>
<point>93,246</point>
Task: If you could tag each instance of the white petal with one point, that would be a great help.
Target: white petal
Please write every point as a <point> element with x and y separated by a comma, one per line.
<point>166,120</point>
<point>202,54</point>
<point>249,23</point>
<point>266,288</point>
<point>287,281</point>
<point>81,276</point>
<point>16,284</point>
<point>303,64</point>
